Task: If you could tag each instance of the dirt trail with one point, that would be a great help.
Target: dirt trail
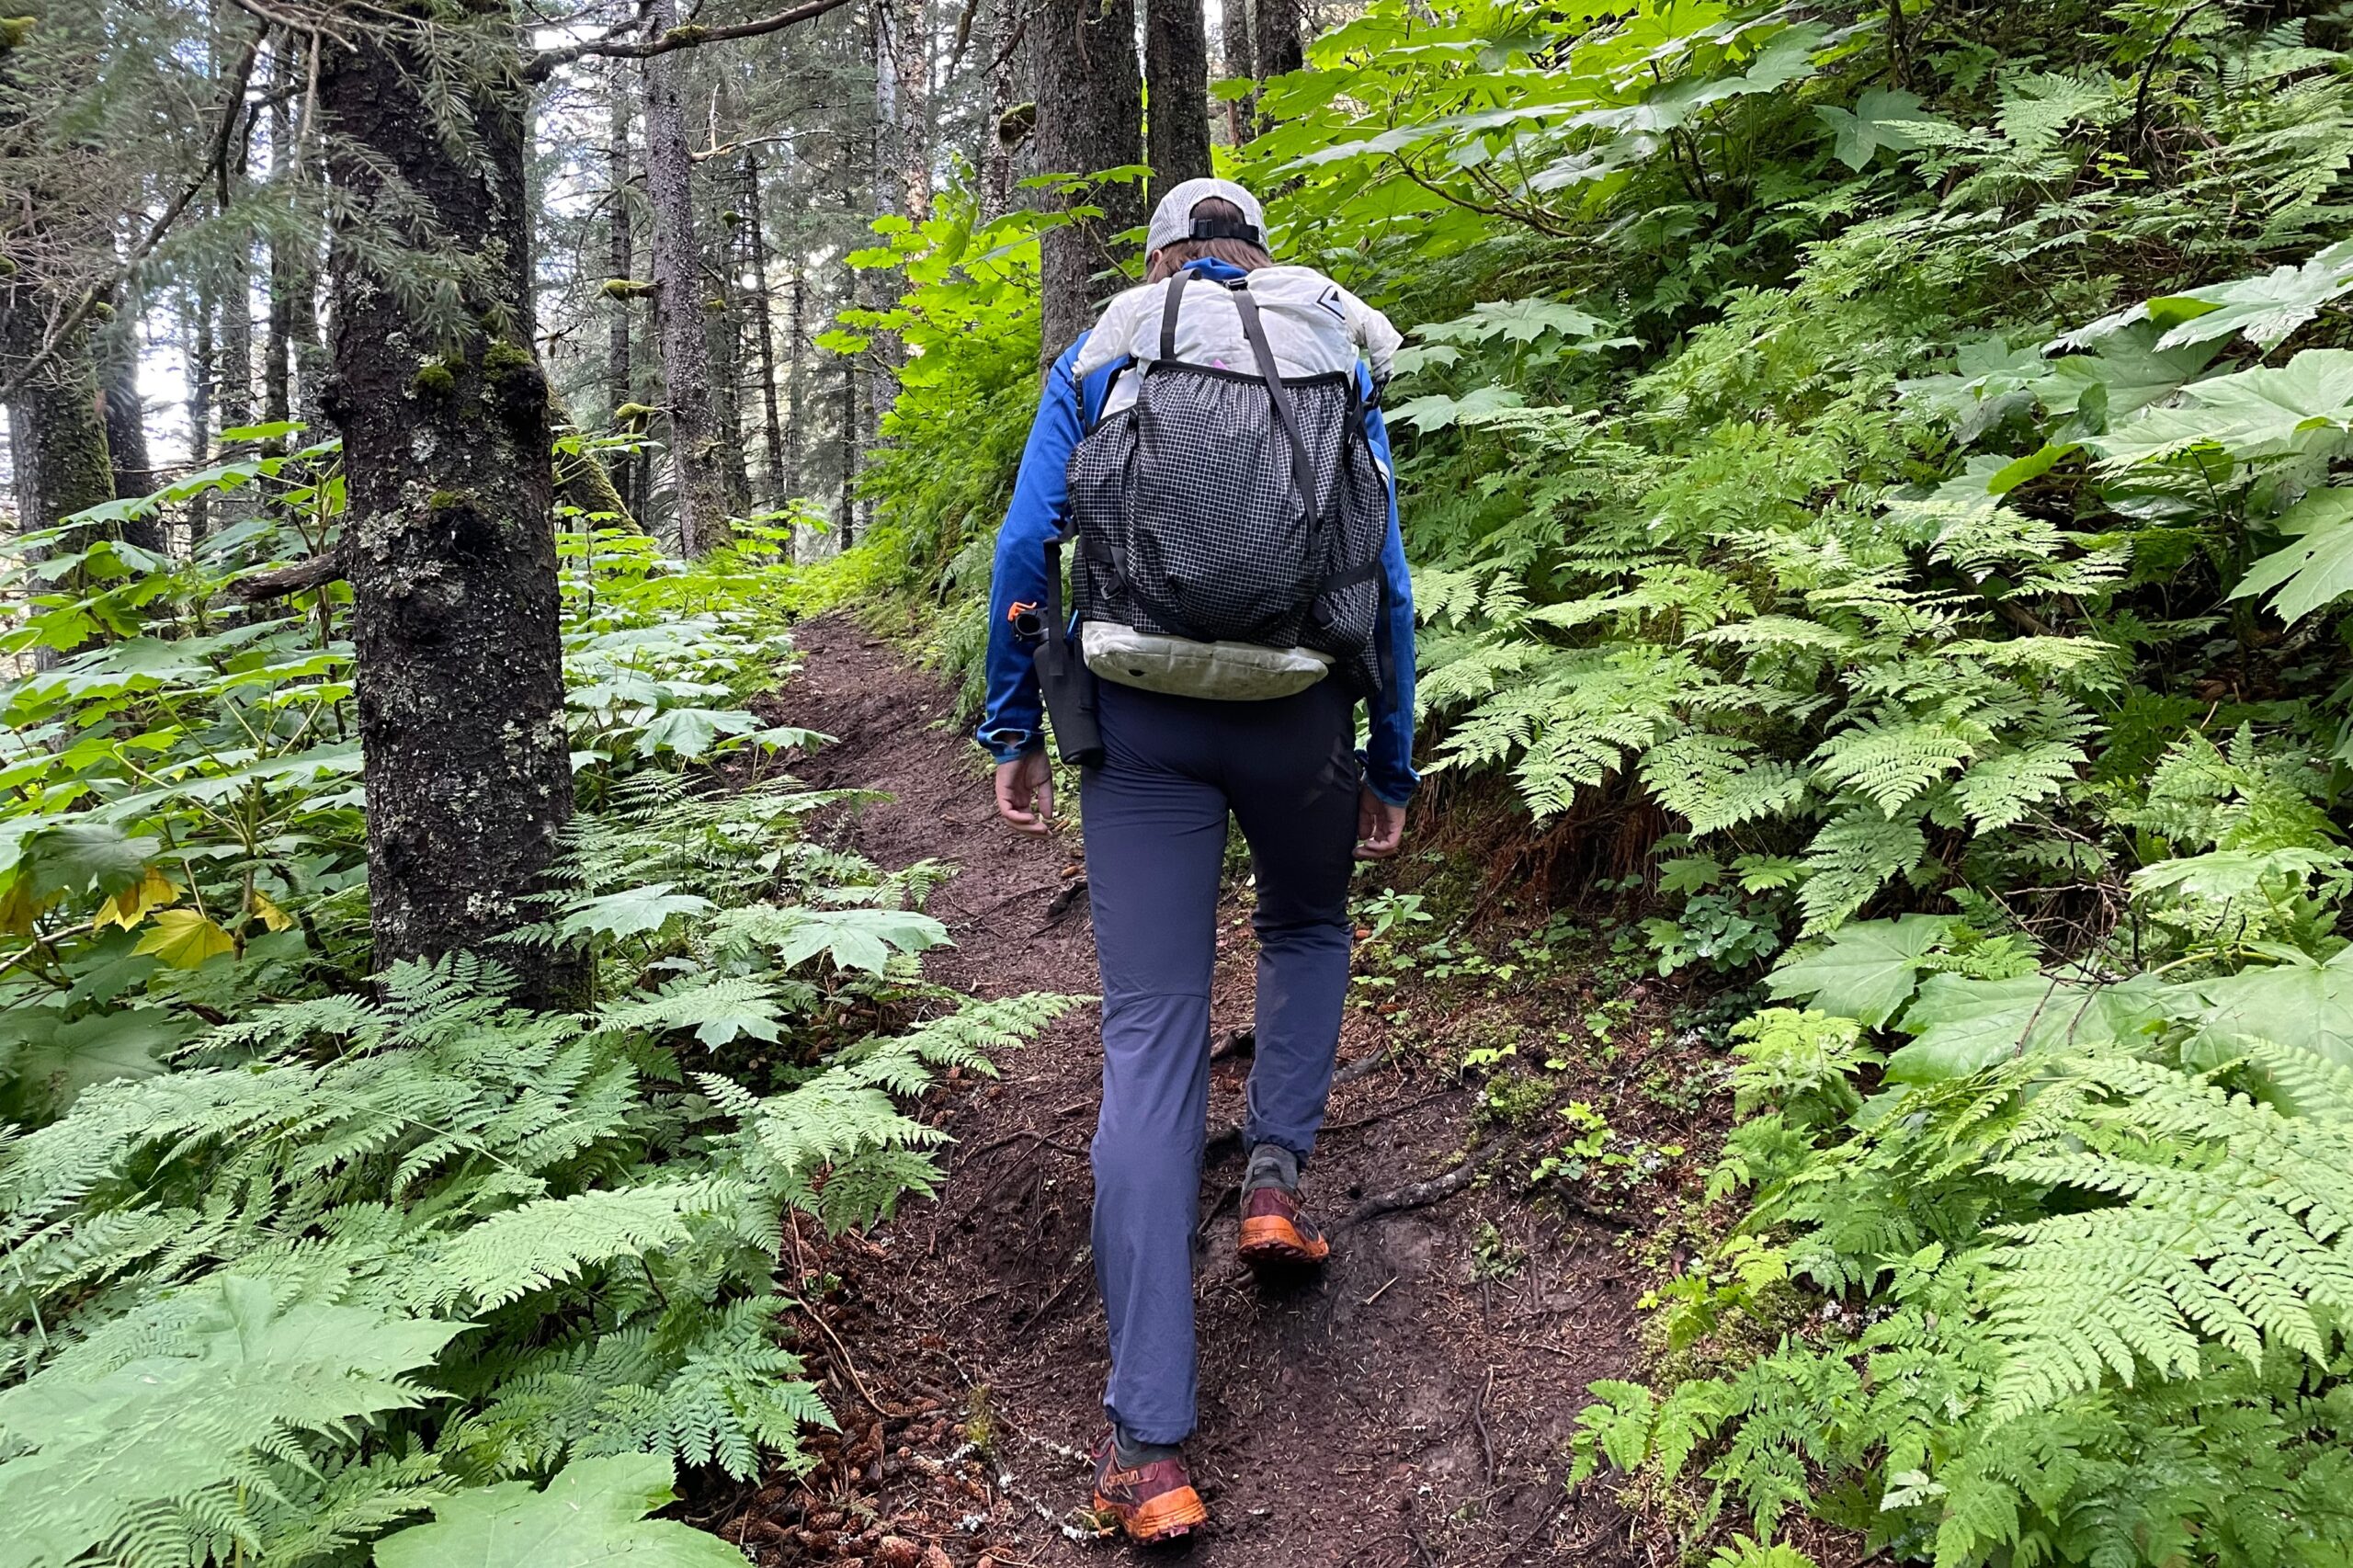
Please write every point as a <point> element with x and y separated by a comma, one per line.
<point>1397,1411</point>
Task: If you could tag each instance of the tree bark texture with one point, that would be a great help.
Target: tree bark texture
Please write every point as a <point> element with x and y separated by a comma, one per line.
<point>234,340</point>
<point>762,326</point>
<point>125,415</point>
<point>1090,118</point>
<point>198,323</point>
<point>909,38</point>
<point>60,437</point>
<point>698,472</point>
<point>1278,26</point>
<point>621,255</point>
<point>796,379</point>
<point>1176,93</point>
<point>1001,135</point>
<point>1237,43</point>
<point>450,548</point>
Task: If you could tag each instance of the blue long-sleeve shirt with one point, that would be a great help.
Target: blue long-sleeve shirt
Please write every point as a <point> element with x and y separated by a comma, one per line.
<point>1011,720</point>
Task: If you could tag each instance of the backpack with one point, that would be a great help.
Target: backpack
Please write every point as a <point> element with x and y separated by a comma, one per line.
<point>1228,525</point>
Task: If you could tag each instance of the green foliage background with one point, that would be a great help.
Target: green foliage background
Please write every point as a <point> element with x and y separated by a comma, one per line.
<point>1899,447</point>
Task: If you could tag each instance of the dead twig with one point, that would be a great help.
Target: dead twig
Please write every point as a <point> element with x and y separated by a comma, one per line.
<point>1421,1194</point>
<point>849,1368</point>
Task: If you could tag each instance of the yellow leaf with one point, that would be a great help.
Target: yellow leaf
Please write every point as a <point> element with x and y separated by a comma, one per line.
<point>131,905</point>
<point>17,908</point>
<point>184,938</point>
<point>259,908</point>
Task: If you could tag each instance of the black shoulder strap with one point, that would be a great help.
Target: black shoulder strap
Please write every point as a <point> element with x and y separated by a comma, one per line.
<point>1176,282</point>
<point>1303,467</point>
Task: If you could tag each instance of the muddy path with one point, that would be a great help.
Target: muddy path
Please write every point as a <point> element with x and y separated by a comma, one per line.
<point>1411,1407</point>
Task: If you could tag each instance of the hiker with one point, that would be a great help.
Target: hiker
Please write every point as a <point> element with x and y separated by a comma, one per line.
<point>1214,453</point>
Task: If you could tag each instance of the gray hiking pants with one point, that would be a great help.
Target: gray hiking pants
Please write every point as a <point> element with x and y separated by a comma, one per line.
<point>1155,820</point>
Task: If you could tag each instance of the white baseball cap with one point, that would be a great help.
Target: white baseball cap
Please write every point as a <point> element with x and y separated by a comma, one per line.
<point>1172,220</point>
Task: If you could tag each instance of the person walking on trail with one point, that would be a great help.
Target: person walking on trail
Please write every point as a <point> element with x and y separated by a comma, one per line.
<point>1213,454</point>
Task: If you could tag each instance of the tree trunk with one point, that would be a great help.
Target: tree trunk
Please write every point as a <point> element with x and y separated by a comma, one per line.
<point>197,323</point>
<point>235,337</point>
<point>845,524</point>
<point>910,47</point>
<point>621,255</point>
<point>698,473</point>
<point>125,415</point>
<point>1239,52</point>
<point>796,439</point>
<point>277,344</point>
<point>59,436</point>
<point>1001,133</point>
<point>451,551</point>
<point>581,480</point>
<point>1280,46</point>
<point>1176,93</point>
<point>763,329</point>
<point>723,332</point>
<point>1090,117</point>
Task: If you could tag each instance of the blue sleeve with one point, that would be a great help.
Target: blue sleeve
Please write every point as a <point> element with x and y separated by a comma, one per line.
<point>1012,720</point>
<point>1389,743</point>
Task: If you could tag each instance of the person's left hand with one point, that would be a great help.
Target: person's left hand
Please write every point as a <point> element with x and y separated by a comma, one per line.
<point>1380,827</point>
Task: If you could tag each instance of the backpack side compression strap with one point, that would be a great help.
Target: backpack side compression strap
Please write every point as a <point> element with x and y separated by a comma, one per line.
<point>1303,467</point>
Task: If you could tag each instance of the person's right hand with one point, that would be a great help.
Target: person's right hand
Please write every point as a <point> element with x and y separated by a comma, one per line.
<point>1025,791</point>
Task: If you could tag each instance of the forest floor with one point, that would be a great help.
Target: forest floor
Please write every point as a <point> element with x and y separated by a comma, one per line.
<point>1411,1406</point>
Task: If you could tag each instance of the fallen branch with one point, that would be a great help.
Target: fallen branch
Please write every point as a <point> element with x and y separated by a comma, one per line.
<point>691,36</point>
<point>1421,1194</point>
<point>299,578</point>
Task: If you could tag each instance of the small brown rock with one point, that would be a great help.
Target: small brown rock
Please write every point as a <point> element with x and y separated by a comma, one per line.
<point>935,1558</point>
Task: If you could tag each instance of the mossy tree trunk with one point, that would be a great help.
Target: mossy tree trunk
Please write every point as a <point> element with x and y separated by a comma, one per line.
<point>60,433</point>
<point>449,547</point>
<point>1090,117</point>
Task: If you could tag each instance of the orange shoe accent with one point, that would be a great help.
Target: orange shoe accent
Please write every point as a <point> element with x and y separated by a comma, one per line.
<point>1163,1518</point>
<point>1274,1234</point>
<point>1154,1502</point>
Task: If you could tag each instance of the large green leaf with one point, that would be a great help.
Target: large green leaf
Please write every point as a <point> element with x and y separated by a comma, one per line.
<point>92,1454</point>
<point>1515,320</point>
<point>2265,309</point>
<point>2263,412</point>
<point>2130,369</point>
<point>631,911</point>
<point>55,1059</point>
<point>2314,570</point>
<point>81,853</point>
<point>1436,411</point>
<point>858,939</point>
<point>1883,116</point>
<point>593,1513</point>
<point>1965,1026</point>
<point>1867,973</point>
<point>2309,1007</point>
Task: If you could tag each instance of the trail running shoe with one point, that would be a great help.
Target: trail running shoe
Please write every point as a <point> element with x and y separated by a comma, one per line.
<point>1277,1232</point>
<point>1152,1502</point>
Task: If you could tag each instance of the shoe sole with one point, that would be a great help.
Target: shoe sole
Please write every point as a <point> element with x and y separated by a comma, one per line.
<point>1164,1517</point>
<point>1270,1241</point>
